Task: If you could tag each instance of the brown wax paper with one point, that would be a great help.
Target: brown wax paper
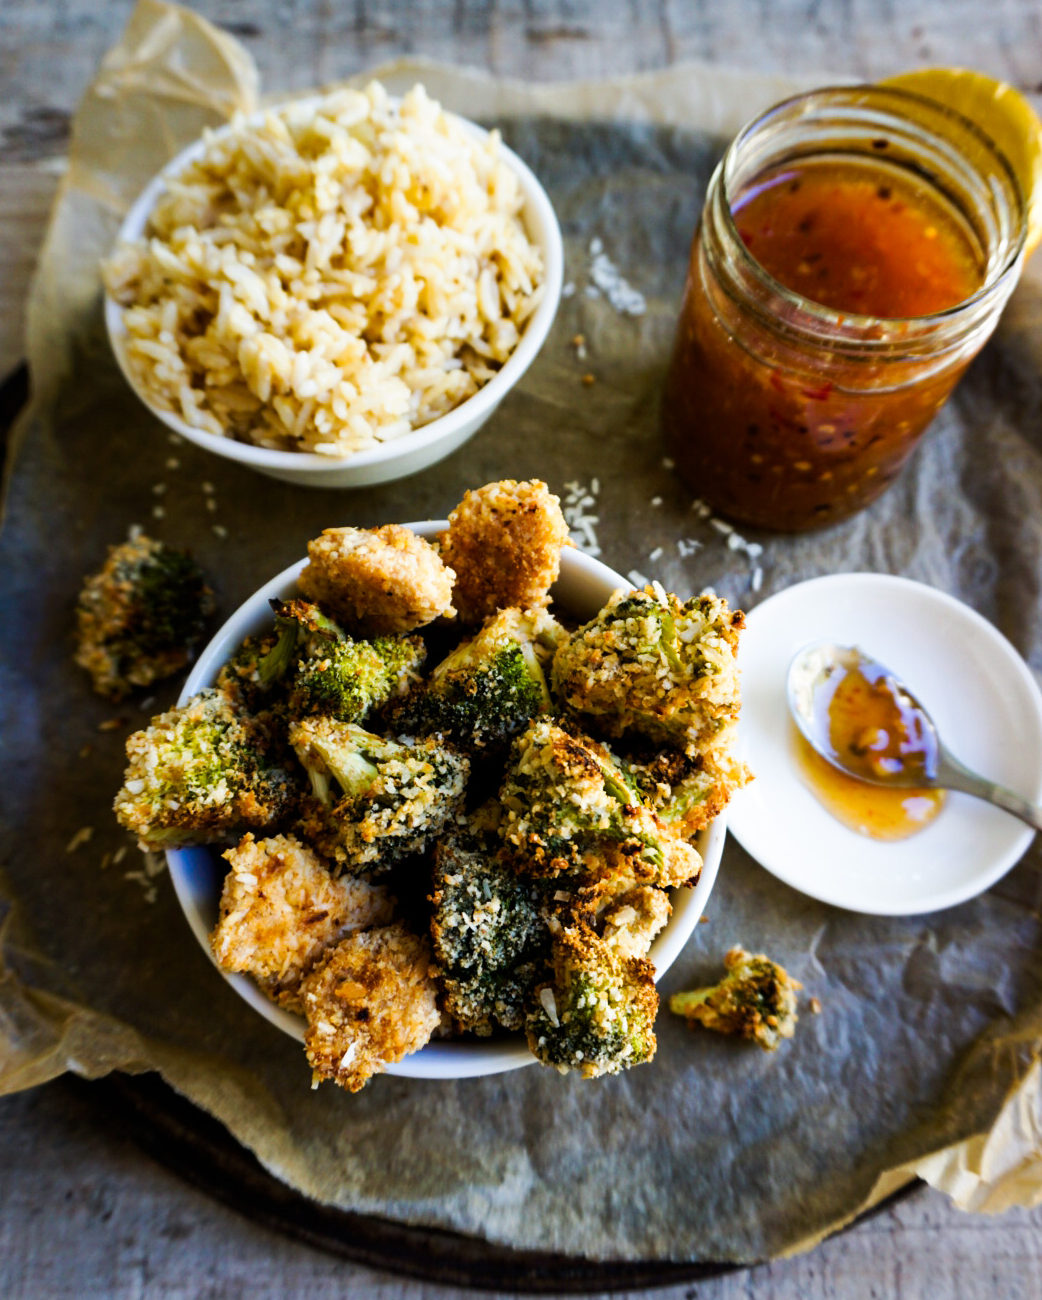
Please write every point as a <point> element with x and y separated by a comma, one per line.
<point>925,1057</point>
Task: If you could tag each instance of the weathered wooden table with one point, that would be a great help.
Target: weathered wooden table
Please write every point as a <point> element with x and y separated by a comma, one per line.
<point>85,1213</point>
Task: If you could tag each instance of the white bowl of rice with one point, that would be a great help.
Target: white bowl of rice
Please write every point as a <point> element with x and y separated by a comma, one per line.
<point>584,586</point>
<point>338,291</point>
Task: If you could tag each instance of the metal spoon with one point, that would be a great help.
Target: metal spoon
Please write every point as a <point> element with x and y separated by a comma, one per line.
<point>808,673</point>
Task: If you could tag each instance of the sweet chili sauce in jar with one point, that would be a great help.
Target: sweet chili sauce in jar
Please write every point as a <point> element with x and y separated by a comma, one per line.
<point>856,248</point>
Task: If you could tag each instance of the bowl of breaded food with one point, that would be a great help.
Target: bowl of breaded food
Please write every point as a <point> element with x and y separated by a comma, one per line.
<point>445,798</point>
<point>337,291</point>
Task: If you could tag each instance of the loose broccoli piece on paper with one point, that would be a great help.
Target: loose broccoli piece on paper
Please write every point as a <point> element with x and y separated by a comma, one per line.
<point>756,999</point>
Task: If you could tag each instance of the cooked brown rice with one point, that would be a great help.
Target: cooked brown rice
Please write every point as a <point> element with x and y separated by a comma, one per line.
<point>330,277</point>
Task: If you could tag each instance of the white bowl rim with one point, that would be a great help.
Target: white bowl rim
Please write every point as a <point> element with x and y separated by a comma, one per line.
<point>484,401</point>
<point>441,1059</point>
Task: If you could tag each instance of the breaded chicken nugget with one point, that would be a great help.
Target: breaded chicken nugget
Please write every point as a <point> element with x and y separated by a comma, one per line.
<point>371,1001</point>
<point>281,909</point>
<point>377,580</point>
<point>504,541</point>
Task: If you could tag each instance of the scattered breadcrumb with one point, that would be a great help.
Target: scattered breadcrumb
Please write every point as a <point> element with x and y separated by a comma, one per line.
<point>582,525</point>
<point>82,836</point>
<point>610,281</point>
<point>172,462</point>
<point>158,512</point>
<point>656,502</point>
<point>112,724</point>
<point>152,865</point>
<point>579,343</point>
<point>589,379</point>
<point>814,1006</point>
<point>220,531</point>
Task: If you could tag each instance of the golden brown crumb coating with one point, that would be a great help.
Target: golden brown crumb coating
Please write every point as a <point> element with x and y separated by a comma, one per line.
<point>281,909</point>
<point>370,1002</point>
<point>504,541</point>
<point>377,581</point>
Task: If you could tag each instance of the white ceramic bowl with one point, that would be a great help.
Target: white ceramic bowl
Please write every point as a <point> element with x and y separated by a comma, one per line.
<point>400,456</point>
<point>198,874</point>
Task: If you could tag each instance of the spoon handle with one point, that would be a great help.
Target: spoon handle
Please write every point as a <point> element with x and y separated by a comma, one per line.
<point>953,776</point>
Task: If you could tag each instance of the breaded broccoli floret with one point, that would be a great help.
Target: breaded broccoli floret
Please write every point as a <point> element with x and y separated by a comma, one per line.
<point>372,1000</point>
<point>378,581</point>
<point>200,773</point>
<point>489,933</point>
<point>504,542</point>
<point>281,909</point>
<point>688,790</point>
<point>652,664</point>
<point>598,1014</point>
<point>756,999</point>
<point>332,673</point>
<point>142,616</point>
<point>567,800</point>
<point>489,687</point>
<point>250,676</point>
<point>377,800</point>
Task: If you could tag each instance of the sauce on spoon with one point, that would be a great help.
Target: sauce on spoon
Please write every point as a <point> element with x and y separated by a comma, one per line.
<point>868,725</point>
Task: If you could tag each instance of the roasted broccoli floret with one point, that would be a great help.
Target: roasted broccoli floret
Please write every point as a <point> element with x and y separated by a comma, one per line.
<point>488,688</point>
<point>567,802</point>
<point>142,616</point>
<point>688,790</point>
<point>319,668</point>
<point>598,1014</point>
<point>201,773</point>
<point>376,800</point>
<point>250,676</point>
<point>654,665</point>
<point>756,999</point>
<point>334,675</point>
<point>489,931</point>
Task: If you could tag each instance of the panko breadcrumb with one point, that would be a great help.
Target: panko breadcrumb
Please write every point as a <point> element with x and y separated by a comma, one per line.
<point>504,541</point>
<point>378,580</point>
<point>281,909</point>
<point>633,919</point>
<point>370,1002</point>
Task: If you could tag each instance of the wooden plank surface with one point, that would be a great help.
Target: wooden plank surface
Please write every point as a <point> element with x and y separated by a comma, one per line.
<point>84,1212</point>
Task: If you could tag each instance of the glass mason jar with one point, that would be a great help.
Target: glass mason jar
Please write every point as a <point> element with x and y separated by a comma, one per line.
<point>790,415</point>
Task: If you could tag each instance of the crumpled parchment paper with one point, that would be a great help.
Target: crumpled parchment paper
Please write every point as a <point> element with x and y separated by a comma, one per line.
<point>925,1057</point>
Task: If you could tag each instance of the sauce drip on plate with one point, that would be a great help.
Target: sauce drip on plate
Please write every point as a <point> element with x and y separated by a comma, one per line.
<point>872,728</point>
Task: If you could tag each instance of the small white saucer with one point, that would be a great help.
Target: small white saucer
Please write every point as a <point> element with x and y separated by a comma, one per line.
<point>980,693</point>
